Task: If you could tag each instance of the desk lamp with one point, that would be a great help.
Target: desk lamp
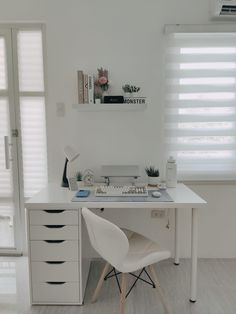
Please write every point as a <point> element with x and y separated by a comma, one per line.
<point>71,154</point>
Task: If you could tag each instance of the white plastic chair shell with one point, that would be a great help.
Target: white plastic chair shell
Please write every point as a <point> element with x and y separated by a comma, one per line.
<point>126,255</point>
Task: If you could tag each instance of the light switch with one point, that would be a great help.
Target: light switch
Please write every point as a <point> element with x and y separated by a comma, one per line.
<point>60,109</point>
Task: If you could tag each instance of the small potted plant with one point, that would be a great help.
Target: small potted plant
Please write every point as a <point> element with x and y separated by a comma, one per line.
<point>126,90</point>
<point>102,83</point>
<point>97,97</point>
<point>153,175</point>
<point>129,90</point>
<point>79,176</point>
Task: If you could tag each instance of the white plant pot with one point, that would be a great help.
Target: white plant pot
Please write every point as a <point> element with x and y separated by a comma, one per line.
<point>104,93</point>
<point>97,101</point>
<point>153,181</point>
<point>128,95</point>
<point>137,94</point>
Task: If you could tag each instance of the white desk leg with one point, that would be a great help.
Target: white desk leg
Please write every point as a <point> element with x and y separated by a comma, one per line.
<point>176,236</point>
<point>194,250</point>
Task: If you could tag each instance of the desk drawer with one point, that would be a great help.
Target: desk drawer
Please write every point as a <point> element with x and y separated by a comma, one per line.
<point>54,251</point>
<point>60,292</point>
<point>54,232</point>
<point>53,217</point>
<point>55,271</point>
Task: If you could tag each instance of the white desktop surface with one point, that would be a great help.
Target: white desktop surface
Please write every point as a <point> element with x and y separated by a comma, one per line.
<point>55,196</point>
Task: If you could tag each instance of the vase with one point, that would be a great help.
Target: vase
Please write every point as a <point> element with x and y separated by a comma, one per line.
<point>104,93</point>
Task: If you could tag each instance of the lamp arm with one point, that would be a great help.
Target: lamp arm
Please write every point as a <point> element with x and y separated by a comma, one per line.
<point>64,182</point>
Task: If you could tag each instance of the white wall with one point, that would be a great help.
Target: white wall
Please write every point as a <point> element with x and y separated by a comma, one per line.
<point>126,37</point>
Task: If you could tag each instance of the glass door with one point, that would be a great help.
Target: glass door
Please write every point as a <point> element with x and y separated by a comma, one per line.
<point>9,178</point>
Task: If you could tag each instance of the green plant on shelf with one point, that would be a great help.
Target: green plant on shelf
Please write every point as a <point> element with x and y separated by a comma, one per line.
<point>98,95</point>
<point>127,88</point>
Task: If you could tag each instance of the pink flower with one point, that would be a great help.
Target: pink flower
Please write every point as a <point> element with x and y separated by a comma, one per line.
<point>102,80</point>
<point>96,82</point>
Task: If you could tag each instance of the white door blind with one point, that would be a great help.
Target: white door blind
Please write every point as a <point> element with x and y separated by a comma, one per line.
<point>5,175</point>
<point>200,121</point>
<point>30,58</point>
<point>32,110</point>
<point>3,70</point>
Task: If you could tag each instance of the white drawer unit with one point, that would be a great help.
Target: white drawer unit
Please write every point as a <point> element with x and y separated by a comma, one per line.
<point>53,217</point>
<point>53,232</point>
<point>54,250</point>
<point>54,253</point>
<point>55,271</point>
<point>55,292</point>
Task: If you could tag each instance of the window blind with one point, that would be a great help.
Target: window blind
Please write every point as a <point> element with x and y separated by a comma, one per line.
<point>33,144</point>
<point>200,104</point>
<point>5,175</point>
<point>30,61</point>
<point>3,71</point>
<point>32,110</point>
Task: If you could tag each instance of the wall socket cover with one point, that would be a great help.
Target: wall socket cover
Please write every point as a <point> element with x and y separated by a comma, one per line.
<point>60,109</point>
<point>158,213</point>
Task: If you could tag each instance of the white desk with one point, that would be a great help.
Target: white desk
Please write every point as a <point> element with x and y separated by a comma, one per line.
<point>54,197</point>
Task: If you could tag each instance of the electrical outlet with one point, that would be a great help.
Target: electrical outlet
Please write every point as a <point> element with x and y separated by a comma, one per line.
<point>158,213</point>
<point>60,109</point>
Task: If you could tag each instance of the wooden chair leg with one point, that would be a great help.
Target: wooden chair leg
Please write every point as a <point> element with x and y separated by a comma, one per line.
<point>100,282</point>
<point>159,290</point>
<point>123,292</point>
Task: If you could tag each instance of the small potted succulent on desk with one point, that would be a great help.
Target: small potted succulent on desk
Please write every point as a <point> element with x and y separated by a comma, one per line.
<point>79,176</point>
<point>153,175</point>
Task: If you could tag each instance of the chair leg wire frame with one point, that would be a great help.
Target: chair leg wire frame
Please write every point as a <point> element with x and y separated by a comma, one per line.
<point>122,287</point>
<point>114,273</point>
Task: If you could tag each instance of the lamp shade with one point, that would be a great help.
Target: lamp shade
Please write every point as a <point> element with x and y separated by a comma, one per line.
<point>70,153</point>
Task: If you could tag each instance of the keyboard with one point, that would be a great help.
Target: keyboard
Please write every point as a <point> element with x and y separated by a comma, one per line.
<point>111,190</point>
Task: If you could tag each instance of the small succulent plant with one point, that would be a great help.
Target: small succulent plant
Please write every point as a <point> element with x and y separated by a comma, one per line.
<point>152,171</point>
<point>127,88</point>
<point>79,176</point>
<point>97,95</point>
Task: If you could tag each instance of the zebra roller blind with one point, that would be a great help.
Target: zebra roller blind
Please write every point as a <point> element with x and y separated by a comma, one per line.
<point>200,103</point>
<point>32,109</point>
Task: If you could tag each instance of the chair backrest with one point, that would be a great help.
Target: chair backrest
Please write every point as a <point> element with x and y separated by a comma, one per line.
<point>106,238</point>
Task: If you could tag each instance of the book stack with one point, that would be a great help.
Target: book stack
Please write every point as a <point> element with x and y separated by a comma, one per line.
<point>85,88</point>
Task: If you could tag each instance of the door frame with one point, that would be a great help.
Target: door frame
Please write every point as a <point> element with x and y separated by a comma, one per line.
<point>12,29</point>
<point>14,164</point>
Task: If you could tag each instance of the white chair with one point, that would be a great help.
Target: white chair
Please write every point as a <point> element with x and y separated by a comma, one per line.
<point>125,254</point>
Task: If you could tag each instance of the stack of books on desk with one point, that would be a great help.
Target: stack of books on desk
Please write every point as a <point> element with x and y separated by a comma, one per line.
<point>85,88</point>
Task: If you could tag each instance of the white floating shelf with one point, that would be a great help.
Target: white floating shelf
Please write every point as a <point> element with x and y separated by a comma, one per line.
<point>109,107</point>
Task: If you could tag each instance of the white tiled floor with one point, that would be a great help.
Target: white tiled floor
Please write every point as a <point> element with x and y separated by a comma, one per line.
<point>216,290</point>
<point>14,288</point>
